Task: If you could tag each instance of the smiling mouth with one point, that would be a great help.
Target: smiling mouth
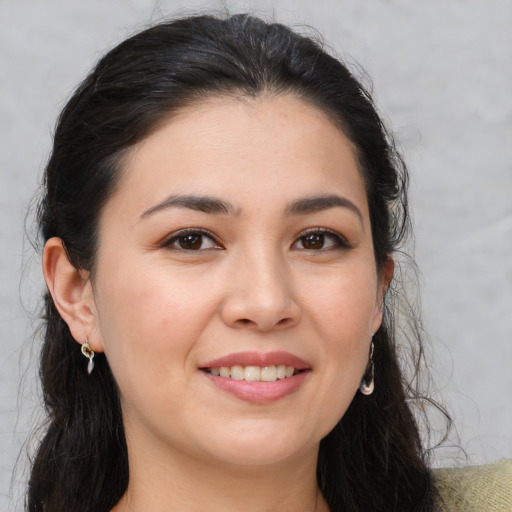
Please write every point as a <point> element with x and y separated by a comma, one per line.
<point>270,373</point>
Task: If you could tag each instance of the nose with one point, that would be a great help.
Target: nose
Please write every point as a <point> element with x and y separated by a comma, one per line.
<point>260,296</point>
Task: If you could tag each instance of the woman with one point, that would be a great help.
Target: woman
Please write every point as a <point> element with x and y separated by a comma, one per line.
<point>221,209</point>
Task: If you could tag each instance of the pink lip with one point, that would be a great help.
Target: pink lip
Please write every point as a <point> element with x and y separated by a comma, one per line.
<point>259,392</point>
<point>258,359</point>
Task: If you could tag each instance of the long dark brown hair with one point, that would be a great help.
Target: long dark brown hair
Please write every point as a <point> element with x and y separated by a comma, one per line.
<point>373,459</point>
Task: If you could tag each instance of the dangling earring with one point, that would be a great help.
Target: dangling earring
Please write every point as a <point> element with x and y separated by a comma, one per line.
<point>367,384</point>
<point>89,353</point>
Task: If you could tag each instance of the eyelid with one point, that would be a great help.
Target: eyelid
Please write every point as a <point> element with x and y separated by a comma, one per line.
<point>343,243</point>
<point>175,235</point>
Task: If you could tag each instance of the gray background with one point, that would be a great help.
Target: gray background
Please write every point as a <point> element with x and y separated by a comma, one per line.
<point>443,78</point>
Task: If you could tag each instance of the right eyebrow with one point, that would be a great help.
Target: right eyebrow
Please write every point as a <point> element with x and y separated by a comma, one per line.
<point>313,204</point>
<point>206,204</point>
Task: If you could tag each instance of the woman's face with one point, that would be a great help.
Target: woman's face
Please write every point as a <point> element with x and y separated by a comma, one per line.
<point>236,250</point>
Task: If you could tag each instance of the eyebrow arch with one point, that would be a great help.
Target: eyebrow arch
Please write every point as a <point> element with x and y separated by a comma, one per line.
<point>324,202</point>
<point>204,204</point>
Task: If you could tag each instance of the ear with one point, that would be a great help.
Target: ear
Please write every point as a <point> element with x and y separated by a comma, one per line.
<point>71,291</point>
<point>385,277</point>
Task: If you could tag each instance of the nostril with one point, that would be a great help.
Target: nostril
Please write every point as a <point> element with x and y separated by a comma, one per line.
<point>247,322</point>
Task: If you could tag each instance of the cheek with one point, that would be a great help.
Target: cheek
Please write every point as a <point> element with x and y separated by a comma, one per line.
<point>344,305</point>
<point>147,323</point>
<point>342,311</point>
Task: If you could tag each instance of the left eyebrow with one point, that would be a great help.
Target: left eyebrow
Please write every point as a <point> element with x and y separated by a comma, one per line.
<point>324,202</point>
<point>206,204</point>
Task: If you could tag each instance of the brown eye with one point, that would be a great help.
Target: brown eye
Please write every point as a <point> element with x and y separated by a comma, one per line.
<point>313,241</point>
<point>320,240</point>
<point>190,242</point>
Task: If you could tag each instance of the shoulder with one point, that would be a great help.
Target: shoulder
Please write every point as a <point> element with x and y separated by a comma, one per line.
<point>486,488</point>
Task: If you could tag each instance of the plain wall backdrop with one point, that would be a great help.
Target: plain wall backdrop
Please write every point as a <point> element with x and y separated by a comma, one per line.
<point>442,77</point>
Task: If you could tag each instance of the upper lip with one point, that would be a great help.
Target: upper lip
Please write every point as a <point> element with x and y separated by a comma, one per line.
<point>258,359</point>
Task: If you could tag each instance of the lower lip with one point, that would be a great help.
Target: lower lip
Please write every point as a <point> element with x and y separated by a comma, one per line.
<point>258,392</point>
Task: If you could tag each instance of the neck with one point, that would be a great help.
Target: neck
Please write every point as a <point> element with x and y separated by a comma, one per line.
<point>164,480</point>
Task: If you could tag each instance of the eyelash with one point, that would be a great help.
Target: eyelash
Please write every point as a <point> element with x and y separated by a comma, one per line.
<point>340,242</point>
<point>201,233</point>
<point>171,243</point>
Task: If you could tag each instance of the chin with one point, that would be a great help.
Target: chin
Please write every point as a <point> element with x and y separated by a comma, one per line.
<point>258,456</point>
<point>262,449</point>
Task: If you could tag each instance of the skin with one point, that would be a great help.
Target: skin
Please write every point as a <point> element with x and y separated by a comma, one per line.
<point>160,309</point>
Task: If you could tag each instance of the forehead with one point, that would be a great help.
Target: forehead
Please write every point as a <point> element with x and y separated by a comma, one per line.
<point>245,148</point>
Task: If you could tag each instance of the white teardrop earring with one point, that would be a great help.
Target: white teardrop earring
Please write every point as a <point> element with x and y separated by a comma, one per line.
<point>89,353</point>
<point>367,382</point>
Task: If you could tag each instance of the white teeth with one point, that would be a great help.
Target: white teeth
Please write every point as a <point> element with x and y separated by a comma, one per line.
<point>252,373</point>
<point>255,373</point>
<point>269,373</point>
<point>237,372</point>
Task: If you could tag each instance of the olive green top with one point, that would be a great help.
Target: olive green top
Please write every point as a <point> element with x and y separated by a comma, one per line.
<point>486,488</point>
